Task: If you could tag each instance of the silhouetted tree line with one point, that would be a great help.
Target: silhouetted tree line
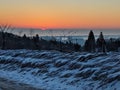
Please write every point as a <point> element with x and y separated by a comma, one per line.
<point>101,45</point>
<point>113,44</point>
<point>11,41</point>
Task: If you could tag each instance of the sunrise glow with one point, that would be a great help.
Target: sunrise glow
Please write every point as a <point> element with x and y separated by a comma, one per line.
<point>61,13</point>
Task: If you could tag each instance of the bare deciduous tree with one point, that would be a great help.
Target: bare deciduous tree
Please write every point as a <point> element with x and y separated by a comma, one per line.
<point>3,29</point>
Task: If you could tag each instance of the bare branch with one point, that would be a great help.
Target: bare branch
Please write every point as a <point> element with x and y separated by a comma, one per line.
<point>4,27</point>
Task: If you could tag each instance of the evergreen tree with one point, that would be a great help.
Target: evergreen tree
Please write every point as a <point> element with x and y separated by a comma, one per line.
<point>36,41</point>
<point>101,44</point>
<point>90,42</point>
<point>24,36</point>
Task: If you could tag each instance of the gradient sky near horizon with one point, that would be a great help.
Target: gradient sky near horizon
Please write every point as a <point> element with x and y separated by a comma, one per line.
<point>61,13</point>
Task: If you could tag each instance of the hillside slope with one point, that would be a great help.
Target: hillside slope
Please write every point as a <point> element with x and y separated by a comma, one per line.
<point>53,70</point>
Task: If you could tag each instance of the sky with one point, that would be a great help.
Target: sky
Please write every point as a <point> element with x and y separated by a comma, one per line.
<point>61,13</point>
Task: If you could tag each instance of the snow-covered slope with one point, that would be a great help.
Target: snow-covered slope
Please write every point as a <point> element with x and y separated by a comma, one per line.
<point>53,70</point>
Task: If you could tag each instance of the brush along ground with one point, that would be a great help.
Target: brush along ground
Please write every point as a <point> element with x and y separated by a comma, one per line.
<point>6,84</point>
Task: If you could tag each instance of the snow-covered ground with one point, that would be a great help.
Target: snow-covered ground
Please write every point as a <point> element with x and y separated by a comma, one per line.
<point>53,70</point>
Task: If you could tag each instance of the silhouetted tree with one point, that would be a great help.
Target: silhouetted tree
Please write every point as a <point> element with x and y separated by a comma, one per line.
<point>24,36</point>
<point>36,41</point>
<point>3,29</point>
<point>101,44</point>
<point>90,43</point>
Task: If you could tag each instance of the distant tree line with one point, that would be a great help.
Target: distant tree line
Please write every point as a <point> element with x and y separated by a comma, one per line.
<point>101,45</point>
<point>12,41</point>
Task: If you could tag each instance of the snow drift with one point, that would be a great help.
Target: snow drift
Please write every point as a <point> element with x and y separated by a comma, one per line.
<point>53,70</point>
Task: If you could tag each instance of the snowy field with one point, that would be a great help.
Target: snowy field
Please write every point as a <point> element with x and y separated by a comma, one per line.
<point>53,70</point>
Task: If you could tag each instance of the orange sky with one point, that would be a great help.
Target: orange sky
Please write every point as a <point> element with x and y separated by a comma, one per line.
<point>61,13</point>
